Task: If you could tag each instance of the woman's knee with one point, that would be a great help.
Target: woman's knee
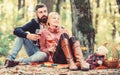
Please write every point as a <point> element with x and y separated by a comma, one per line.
<point>72,40</point>
<point>64,35</point>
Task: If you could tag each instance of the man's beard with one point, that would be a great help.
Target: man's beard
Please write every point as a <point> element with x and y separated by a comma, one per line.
<point>43,19</point>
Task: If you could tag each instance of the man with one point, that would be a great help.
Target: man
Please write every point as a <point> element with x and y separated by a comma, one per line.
<point>26,35</point>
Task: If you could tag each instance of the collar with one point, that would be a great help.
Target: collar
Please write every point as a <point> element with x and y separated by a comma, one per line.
<point>54,30</point>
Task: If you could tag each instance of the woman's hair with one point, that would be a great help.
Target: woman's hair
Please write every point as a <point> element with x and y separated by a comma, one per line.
<point>51,14</point>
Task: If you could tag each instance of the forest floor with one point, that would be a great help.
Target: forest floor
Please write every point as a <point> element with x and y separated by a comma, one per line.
<point>48,69</point>
<point>57,69</point>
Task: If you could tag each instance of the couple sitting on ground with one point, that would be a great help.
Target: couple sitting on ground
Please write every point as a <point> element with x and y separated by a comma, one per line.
<point>56,45</point>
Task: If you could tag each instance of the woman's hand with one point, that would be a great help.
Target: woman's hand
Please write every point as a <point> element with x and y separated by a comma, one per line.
<point>52,49</point>
<point>51,53</point>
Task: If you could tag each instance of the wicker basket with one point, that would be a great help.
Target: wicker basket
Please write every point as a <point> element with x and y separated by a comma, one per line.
<point>111,63</point>
<point>112,60</point>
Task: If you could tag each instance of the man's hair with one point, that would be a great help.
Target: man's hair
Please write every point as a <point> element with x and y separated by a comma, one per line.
<point>39,6</point>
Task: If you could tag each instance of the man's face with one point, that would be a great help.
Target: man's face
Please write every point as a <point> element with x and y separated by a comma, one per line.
<point>42,14</point>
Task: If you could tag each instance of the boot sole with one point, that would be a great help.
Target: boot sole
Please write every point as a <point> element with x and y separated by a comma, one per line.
<point>84,69</point>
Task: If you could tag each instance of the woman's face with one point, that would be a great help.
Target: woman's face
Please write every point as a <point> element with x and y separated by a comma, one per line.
<point>54,20</point>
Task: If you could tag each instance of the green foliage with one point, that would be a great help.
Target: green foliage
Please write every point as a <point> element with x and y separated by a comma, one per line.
<point>10,17</point>
<point>65,13</point>
<point>1,63</point>
<point>4,44</point>
<point>118,28</point>
<point>1,1</point>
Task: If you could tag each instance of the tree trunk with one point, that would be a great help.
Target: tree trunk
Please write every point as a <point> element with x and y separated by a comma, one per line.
<point>118,3</point>
<point>58,6</point>
<point>21,4</point>
<point>49,4</point>
<point>82,23</point>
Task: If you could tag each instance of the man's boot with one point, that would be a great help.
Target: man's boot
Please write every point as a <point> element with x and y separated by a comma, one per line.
<point>67,51</point>
<point>10,63</point>
<point>81,63</point>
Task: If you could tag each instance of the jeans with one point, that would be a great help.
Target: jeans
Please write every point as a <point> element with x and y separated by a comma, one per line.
<point>33,51</point>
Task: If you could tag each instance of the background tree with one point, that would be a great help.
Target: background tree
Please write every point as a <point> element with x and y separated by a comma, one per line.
<point>105,21</point>
<point>21,4</point>
<point>118,3</point>
<point>49,3</point>
<point>95,22</point>
<point>82,23</point>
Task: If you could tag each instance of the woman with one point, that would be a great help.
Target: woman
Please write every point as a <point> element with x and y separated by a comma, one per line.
<point>59,46</point>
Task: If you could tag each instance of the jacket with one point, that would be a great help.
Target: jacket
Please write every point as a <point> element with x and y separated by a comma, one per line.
<point>50,39</point>
<point>30,27</point>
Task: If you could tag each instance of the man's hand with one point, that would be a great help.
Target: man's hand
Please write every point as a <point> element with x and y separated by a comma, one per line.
<point>33,37</point>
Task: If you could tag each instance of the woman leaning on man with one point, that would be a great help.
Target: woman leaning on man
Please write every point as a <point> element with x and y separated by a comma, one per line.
<point>60,48</point>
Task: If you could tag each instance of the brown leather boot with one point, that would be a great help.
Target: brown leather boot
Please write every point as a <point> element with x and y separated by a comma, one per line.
<point>66,49</point>
<point>81,63</point>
